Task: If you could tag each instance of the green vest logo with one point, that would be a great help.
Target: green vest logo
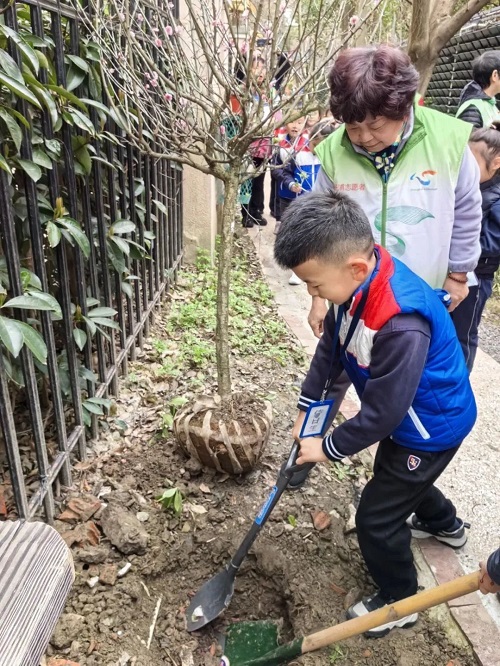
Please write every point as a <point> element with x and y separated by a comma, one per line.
<point>426,179</point>
<point>409,215</point>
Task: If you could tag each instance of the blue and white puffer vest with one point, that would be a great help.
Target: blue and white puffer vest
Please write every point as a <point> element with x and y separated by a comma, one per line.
<point>443,410</point>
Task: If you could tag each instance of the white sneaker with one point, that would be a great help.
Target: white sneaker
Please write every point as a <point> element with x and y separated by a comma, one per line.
<point>372,603</point>
<point>277,226</point>
<point>294,280</point>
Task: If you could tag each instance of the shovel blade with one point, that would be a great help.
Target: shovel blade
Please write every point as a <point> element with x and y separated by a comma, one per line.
<point>211,600</point>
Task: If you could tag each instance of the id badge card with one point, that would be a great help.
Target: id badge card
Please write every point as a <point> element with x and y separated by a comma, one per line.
<point>316,418</point>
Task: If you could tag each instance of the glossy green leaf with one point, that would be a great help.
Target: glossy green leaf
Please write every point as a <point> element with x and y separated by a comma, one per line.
<point>53,234</point>
<point>4,165</point>
<point>93,408</point>
<point>82,121</point>
<point>42,59</point>
<point>74,77</point>
<point>34,341</point>
<point>48,299</point>
<point>9,66</point>
<point>73,229</point>
<point>19,89</point>
<point>78,62</point>
<point>20,117</point>
<point>91,326</point>
<point>27,52</point>
<point>31,301</point>
<point>123,227</point>
<point>13,128</point>
<point>53,145</point>
<point>104,402</point>
<point>122,245</point>
<point>80,337</point>
<point>97,105</point>
<point>102,312</point>
<point>127,289</point>
<point>83,157</point>
<point>107,323</point>
<point>32,169</point>
<point>42,159</point>
<point>67,95</point>
<point>43,96</point>
<point>11,336</point>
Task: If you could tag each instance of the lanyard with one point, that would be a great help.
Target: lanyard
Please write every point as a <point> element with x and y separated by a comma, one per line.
<point>343,348</point>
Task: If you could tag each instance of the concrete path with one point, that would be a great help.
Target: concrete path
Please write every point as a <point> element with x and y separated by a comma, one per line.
<point>472,481</point>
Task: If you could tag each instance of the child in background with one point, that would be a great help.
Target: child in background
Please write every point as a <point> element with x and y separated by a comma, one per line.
<point>300,166</point>
<point>485,145</point>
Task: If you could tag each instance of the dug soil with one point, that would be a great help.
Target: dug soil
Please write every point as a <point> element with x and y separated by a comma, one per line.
<point>304,570</point>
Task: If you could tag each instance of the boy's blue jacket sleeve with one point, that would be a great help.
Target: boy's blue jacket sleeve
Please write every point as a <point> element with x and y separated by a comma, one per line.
<point>493,566</point>
<point>285,175</point>
<point>399,355</point>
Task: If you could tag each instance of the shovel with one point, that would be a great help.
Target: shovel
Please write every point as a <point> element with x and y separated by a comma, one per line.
<point>256,643</point>
<point>215,595</point>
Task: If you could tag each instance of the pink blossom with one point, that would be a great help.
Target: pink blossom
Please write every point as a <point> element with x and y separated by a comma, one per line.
<point>217,23</point>
<point>154,30</point>
<point>183,101</point>
<point>169,30</point>
<point>178,29</point>
<point>353,21</point>
<point>155,76</point>
<point>121,17</point>
<point>222,130</point>
<point>244,47</point>
<point>154,83</point>
<point>171,5</point>
<point>167,97</point>
<point>147,75</point>
<point>111,72</point>
<point>147,86</point>
<point>269,33</point>
<point>282,6</point>
<point>132,34</point>
<point>245,13</point>
<point>158,42</point>
<point>140,18</point>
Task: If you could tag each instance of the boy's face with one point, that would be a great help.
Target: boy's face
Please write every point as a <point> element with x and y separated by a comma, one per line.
<point>295,128</point>
<point>313,118</point>
<point>335,282</point>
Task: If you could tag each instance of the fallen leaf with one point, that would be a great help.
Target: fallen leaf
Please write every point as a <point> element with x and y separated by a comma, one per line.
<point>339,590</point>
<point>213,650</point>
<point>80,509</point>
<point>197,508</point>
<point>321,520</point>
<point>204,488</point>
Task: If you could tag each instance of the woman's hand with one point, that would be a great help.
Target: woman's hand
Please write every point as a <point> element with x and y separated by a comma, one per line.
<point>486,584</point>
<point>311,450</point>
<point>317,315</point>
<point>457,290</point>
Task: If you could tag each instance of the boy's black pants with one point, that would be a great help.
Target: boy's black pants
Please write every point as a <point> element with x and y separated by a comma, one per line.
<point>401,485</point>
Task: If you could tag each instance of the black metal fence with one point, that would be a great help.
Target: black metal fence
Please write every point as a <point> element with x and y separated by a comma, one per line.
<point>453,70</point>
<point>91,237</point>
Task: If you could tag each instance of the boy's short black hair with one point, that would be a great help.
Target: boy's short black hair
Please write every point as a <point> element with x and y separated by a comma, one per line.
<point>483,67</point>
<point>322,225</point>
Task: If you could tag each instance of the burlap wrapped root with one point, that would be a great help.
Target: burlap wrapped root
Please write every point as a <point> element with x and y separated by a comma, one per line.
<point>223,441</point>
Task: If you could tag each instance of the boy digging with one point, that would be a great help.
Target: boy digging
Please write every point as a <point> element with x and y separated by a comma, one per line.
<point>393,335</point>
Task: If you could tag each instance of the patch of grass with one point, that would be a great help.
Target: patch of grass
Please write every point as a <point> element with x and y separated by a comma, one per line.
<point>255,329</point>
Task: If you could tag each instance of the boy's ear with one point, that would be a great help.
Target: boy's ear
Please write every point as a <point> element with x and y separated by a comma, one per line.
<point>359,269</point>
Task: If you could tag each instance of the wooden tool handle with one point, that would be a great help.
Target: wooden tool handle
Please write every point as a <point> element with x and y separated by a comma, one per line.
<point>418,602</point>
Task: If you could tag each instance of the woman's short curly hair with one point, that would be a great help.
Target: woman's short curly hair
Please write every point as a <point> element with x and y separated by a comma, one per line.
<point>372,80</point>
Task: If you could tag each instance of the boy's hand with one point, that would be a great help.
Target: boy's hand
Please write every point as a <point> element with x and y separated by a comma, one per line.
<point>486,584</point>
<point>317,315</point>
<point>311,450</point>
<point>297,426</point>
<point>296,188</point>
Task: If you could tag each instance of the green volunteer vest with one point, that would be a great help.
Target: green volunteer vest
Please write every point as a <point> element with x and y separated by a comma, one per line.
<point>412,215</point>
<point>486,107</point>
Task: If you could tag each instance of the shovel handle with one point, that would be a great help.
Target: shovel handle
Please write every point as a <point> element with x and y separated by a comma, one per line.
<point>418,602</point>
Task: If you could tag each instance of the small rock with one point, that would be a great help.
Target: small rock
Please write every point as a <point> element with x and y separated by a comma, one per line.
<point>93,555</point>
<point>321,520</point>
<point>124,530</point>
<point>142,517</point>
<point>80,509</point>
<point>92,582</point>
<point>367,653</point>
<point>124,570</point>
<point>205,489</point>
<point>93,570</point>
<point>352,597</point>
<point>186,527</point>
<point>68,629</point>
<point>83,535</point>
<point>108,574</point>
<point>53,661</point>
<point>351,521</point>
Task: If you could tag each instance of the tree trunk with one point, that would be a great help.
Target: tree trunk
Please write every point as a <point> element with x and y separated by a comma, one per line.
<point>424,64</point>
<point>223,281</point>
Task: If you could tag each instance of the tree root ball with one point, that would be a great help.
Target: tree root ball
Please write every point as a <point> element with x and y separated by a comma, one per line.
<point>227,437</point>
